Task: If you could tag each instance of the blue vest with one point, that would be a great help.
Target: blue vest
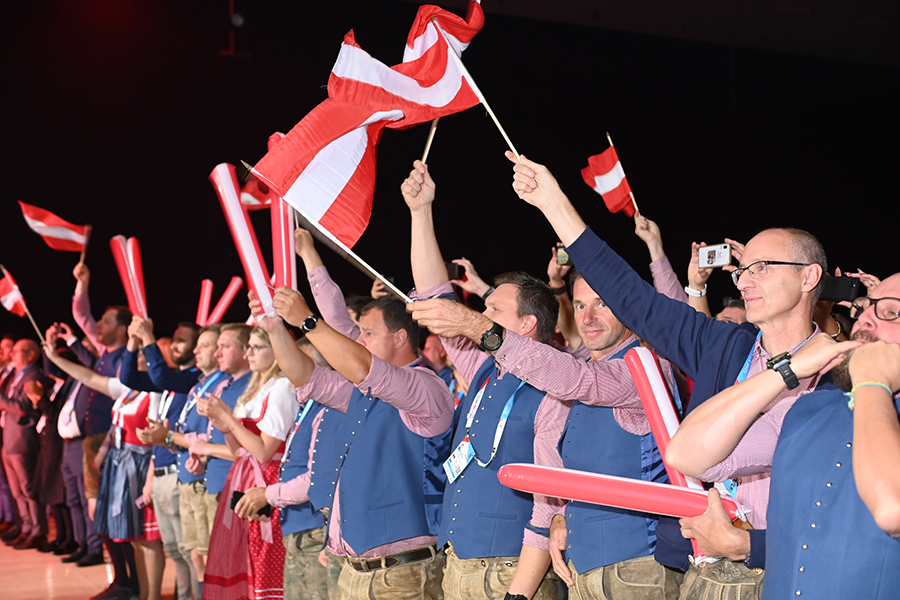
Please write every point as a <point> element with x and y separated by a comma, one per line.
<point>217,468</point>
<point>93,410</point>
<point>481,517</point>
<point>822,540</point>
<point>162,456</point>
<point>299,517</point>
<point>593,441</point>
<point>327,459</point>
<point>194,423</point>
<point>382,495</point>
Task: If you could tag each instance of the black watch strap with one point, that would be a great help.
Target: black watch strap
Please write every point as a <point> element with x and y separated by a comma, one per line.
<point>782,364</point>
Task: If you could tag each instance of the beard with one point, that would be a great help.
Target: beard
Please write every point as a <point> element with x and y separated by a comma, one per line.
<point>841,373</point>
<point>182,359</point>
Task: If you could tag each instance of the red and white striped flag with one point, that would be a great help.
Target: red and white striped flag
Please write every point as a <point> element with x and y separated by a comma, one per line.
<point>10,296</point>
<point>58,233</point>
<point>604,174</point>
<point>325,166</point>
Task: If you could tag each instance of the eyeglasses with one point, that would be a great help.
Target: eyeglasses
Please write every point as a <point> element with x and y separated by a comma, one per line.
<point>255,349</point>
<point>886,309</point>
<point>760,269</point>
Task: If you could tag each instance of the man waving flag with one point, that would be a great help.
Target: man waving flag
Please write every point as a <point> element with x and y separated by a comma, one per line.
<point>325,166</point>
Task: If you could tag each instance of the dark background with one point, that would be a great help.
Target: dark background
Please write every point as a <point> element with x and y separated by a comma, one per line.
<point>115,112</point>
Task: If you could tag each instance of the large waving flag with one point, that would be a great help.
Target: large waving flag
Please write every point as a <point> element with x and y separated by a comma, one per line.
<point>604,174</point>
<point>58,233</point>
<point>325,166</point>
<point>10,296</point>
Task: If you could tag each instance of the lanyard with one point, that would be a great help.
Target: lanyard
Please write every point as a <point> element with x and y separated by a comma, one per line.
<point>182,418</point>
<point>501,425</point>
<point>745,370</point>
<point>163,408</point>
<point>300,416</point>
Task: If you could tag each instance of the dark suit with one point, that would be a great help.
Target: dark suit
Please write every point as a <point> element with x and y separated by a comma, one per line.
<point>20,449</point>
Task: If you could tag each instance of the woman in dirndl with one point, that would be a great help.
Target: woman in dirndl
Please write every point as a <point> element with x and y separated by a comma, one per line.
<point>122,512</point>
<point>246,557</point>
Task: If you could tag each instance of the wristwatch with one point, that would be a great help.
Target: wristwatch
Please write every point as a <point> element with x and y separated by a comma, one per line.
<point>492,338</point>
<point>309,323</point>
<point>782,364</point>
<point>170,444</point>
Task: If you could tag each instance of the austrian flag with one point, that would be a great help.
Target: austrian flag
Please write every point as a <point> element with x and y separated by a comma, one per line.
<point>58,233</point>
<point>325,166</point>
<point>10,296</point>
<point>604,174</point>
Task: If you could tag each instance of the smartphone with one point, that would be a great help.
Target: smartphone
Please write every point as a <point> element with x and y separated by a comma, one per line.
<point>455,271</point>
<point>562,257</point>
<point>140,502</point>
<point>714,256</point>
<point>838,289</point>
<point>265,511</point>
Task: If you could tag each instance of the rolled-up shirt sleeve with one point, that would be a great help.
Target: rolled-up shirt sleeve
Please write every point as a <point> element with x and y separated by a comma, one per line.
<point>423,399</point>
<point>549,423</point>
<point>328,387</point>
<point>330,302</point>
<point>296,491</point>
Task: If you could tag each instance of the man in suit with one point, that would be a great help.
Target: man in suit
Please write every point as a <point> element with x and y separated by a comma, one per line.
<point>21,442</point>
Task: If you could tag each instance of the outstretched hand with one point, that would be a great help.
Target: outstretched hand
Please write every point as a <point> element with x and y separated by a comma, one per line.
<point>555,271</point>
<point>697,277</point>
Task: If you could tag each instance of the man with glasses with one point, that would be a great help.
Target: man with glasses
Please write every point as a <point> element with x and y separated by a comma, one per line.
<point>834,509</point>
<point>779,302</point>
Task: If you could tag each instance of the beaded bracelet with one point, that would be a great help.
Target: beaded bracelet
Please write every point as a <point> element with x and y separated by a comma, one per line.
<point>852,394</point>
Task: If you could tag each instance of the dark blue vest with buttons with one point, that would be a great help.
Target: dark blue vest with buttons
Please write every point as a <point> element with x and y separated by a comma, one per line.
<point>481,517</point>
<point>217,468</point>
<point>382,494</point>
<point>327,456</point>
<point>822,541</point>
<point>299,517</point>
<point>593,441</point>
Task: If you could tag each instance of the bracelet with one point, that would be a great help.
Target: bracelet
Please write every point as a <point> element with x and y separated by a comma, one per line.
<point>559,291</point>
<point>695,293</point>
<point>840,329</point>
<point>488,292</point>
<point>851,404</point>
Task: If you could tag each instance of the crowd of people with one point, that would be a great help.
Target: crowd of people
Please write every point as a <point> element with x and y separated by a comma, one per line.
<point>326,451</point>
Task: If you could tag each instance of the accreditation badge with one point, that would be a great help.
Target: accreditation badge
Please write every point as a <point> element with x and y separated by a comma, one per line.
<point>459,459</point>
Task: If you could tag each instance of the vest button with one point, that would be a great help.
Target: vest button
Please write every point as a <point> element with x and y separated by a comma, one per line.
<point>483,564</point>
<point>828,484</point>
<point>849,445</point>
<point>838,465</point>
<point>801,569</point>
<point>455,505</point>
<point>813,525</point>
<point>451,532</point>
<point>797,593</point>
<point>804,546</point>
<point>818,503</point>
<point>453,519</point>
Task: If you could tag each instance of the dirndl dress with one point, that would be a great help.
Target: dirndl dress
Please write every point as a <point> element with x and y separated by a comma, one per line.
<point>124,473</point>
<point>246,558</point>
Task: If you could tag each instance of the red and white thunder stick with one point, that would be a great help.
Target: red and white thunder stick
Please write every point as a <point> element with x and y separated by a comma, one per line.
<point>117,245</point>
<point>658,405</point>
<point>608,490</point>
<point>225,301</point>
<point>136,275</point>
<point>224,180</point>
<point>206,288</point>
<point>284,265</point>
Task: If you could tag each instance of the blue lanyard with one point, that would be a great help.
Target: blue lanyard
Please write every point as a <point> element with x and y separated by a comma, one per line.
<point>182,419</point>
<point>501,425</point>
<point>301,416</point>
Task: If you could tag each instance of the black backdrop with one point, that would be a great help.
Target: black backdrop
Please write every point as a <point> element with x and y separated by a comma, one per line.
<point>115,112</point>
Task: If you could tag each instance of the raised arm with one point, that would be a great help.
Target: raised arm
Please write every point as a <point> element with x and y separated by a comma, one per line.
<point>876,432</point>
<point>81,304</point>
<point>425,254</point>
<point>556,275</point>
<point>78,372</point>
<point>328,296</point>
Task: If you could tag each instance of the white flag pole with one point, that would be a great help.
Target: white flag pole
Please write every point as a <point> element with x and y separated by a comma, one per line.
<point>455,57</point>
<point>430,139</point>
<point>360,263</point>
<point>633,201</point>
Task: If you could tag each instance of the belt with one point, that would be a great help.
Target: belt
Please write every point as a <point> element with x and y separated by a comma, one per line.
<point>392,560</point>
<point>165,470</point>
